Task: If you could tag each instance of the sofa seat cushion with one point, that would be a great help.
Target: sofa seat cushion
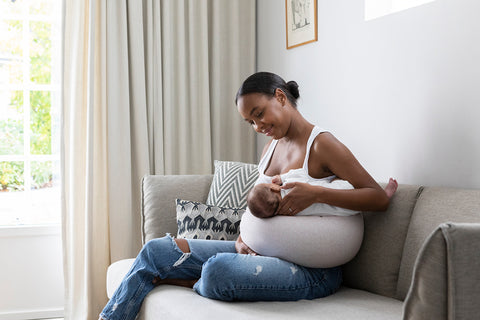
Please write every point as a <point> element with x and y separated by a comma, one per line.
<point>171,302</point>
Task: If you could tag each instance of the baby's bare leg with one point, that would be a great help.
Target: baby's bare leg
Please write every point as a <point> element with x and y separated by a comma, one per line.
<point>391,187</point>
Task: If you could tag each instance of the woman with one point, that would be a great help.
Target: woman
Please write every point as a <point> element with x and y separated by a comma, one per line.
<point>227,270</point>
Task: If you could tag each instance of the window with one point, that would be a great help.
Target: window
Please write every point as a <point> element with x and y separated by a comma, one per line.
<point>379,8</point>
<point>30,97</point>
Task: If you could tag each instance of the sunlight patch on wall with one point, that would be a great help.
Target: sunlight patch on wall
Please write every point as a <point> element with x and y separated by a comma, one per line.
<point>379,8</point>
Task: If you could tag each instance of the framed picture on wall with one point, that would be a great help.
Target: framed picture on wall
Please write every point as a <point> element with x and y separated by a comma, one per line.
<point>301,22</point>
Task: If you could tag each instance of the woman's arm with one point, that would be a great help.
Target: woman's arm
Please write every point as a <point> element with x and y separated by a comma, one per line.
<point>330,155</point>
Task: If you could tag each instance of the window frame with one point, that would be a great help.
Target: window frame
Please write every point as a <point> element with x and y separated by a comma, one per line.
<point>27,87</point>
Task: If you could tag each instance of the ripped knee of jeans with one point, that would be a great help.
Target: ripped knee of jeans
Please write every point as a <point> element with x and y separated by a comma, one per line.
<point>182,246</point>
<point>182,259</point>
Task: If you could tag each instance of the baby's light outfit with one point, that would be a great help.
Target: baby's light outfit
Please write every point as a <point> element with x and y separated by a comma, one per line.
<point>317,209</point>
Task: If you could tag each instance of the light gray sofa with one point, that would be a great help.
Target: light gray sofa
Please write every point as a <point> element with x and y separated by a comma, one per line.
<point>419,260</point>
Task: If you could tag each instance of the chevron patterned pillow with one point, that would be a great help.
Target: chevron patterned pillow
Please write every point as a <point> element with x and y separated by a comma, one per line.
<point>231,183</point>
<point>200,221</point>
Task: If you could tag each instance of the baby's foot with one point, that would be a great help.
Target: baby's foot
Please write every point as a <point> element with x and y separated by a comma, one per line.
<point>391,187</point>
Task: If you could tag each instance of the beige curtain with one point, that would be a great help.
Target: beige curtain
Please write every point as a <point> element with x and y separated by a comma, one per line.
<point>148,89</point>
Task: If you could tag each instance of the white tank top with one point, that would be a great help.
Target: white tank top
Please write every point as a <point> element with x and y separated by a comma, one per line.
<point>262,166</point>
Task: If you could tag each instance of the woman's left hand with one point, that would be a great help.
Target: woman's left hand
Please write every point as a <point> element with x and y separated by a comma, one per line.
<point>299,198</point>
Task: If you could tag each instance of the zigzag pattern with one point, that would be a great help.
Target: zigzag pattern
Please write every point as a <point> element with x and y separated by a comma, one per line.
<point>231,183</point>
<point>199,221</point>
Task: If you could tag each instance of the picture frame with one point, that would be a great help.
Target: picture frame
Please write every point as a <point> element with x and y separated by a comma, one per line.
<point>301,22</point>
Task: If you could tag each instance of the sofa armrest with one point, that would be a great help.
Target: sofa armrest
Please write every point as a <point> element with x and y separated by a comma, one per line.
<point>115,274</point>
<point>446,276</point>
<point>158,200</point>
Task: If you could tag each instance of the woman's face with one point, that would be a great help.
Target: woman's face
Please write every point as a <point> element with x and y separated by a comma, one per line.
<point>266,114</point>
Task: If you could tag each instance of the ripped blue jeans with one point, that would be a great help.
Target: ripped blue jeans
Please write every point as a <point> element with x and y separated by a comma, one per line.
<point>223,275</point>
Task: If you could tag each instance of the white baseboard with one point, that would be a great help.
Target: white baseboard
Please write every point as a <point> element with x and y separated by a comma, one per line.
<point>32,314</point>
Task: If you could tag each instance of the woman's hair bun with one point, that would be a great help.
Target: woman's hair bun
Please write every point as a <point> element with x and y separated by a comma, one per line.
<point>293,88</point>
<point>267,83</point>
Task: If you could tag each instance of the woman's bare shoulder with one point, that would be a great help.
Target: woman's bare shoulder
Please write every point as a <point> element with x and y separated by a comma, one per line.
<point>335,157</point>
<point>327,151</point>
<point>325,143</point>
<point>320,154</point>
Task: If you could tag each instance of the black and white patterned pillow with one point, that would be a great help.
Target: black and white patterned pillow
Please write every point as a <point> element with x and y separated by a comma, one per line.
<point>231,183</point>
<point>196,220</point>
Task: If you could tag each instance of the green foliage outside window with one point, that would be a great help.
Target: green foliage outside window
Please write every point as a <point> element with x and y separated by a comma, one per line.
<point>40,52</point>
<point>12,128</point>
<point>40,123</point>
<point>11,176</point>
<point>11,131</point>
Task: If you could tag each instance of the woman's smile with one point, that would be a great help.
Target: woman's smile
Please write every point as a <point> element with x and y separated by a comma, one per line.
<point>268,132</point>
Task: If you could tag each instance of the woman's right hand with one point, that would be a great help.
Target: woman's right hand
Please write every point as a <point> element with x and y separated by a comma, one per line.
<point>242,248</point>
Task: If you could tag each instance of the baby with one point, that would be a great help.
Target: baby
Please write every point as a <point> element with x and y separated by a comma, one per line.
<point>263,200</point>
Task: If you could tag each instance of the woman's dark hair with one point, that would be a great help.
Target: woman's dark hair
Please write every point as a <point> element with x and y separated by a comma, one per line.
<point>267,83</point>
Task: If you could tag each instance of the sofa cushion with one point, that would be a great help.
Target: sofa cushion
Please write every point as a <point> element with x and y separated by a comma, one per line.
<point>375,268</point>
<point>169,302</point>
<point>231,183</point>
<point>158,201</point>
<point>200,221</point>
<point>435,205</point>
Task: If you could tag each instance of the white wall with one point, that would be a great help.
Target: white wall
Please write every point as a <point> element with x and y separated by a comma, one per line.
<point>401,91</point>
<point>31,273</point>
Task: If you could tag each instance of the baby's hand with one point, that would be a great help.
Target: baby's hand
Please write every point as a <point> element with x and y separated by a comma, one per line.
<point>277,180</point>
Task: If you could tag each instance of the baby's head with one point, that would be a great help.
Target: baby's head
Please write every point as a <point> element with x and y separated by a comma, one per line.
<point>263,201</point>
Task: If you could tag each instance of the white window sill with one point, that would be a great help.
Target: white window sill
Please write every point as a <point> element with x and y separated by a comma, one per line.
<point>30,230</point>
